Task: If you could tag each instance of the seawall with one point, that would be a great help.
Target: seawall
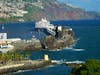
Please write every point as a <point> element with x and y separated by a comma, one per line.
<point>23,65</point>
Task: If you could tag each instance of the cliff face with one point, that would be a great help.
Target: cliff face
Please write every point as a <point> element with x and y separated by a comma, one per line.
<point>54,10</point>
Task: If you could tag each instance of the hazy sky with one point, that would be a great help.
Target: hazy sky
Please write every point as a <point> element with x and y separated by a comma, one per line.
<point>90,5</point>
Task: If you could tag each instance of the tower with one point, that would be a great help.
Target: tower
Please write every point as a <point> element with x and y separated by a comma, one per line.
<point>46,57</point>
<point>58,32</point>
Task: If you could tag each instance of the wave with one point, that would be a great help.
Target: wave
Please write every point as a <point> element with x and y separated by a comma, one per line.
<point>56,50</point>
<point>49,66</point>
<point>20,71</point>
<point>74,49</point>
<point>68,62</point>
<point>69,48</point>
<point>78,49</point>
<point>58,61</point>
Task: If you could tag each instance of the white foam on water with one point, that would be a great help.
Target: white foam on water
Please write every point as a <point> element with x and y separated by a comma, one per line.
<point>58,61</point>
<point>67,62</point>
<point>78,49</point>
<point>20,71</point>
<point>67,48</point>
<point>74,49</point>
<point>76,42</point>
<point>76,61</point>
<point>55,50</point>
<point>50,66</point>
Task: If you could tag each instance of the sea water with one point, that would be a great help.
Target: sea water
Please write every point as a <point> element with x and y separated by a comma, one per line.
<point>87,45</point>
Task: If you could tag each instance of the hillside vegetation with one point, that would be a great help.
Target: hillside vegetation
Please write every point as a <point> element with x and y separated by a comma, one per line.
<point>91,67</point>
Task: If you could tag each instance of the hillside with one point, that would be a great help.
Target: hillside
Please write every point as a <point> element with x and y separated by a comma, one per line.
<point>30,10</point>
<point>91,67</point>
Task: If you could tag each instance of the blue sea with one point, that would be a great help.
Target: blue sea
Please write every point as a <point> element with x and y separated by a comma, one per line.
<point>87,45</point>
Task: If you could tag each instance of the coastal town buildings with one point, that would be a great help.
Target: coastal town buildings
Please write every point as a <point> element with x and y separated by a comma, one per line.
<point>16,8</point>
<point>12,8</point>
<point>5,43</point>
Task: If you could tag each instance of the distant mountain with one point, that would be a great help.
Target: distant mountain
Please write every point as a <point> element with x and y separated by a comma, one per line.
<point>54,10</point>
<point>51,9</point>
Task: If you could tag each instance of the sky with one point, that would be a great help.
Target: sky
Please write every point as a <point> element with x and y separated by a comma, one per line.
<point>88,5</point>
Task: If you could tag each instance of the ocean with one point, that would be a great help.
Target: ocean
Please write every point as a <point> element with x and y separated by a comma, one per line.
<point>87,45</point>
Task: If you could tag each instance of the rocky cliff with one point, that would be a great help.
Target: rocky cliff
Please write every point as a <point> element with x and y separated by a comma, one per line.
<point>54,10</point>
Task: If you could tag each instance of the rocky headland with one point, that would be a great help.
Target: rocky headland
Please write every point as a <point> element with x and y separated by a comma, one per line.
<point>57,37</point>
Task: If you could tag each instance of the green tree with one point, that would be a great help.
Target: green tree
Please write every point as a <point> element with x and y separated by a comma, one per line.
<point>91,67</point>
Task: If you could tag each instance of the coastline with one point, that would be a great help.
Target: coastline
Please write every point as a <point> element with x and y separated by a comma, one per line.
<point>68,22</point>
<point>56,37</point>
<point>23,65</point>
